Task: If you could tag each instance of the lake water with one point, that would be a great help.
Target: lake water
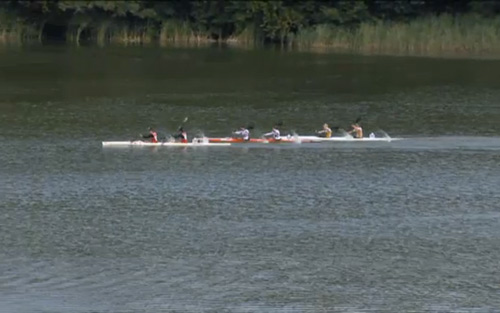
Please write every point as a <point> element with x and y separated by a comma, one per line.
<point>406,226</point>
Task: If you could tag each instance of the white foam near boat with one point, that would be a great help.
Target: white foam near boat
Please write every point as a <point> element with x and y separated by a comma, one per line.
<point>197,142</point>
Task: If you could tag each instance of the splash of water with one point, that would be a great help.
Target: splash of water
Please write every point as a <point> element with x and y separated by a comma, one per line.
<point>344,134</point>
<point>200,137</point>
<point>381,134</point>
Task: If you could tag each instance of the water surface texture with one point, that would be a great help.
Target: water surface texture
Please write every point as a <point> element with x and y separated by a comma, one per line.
<point>406,226</point>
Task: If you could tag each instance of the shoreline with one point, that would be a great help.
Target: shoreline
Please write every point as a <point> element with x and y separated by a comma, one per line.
<point>320,49</point>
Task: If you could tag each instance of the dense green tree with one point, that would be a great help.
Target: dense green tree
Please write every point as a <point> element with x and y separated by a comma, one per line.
<point>270,20</point>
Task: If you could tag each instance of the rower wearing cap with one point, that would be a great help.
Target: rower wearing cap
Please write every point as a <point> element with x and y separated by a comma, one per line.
<point>275,133</point>
<point>181,135</point>
<point>326,131</point>
<point>243,133</point>
<point>152,134</point>
<point>357,130</point>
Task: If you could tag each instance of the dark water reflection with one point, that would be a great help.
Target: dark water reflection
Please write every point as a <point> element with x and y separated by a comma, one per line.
<point>406,226</point>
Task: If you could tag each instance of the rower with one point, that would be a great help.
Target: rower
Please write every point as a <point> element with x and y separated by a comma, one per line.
<point>152,134</point>
<point>243,133</point>
<point>327,131</point>
<point>275,133</point>
<point>181,135</point>
<point>357,130</point>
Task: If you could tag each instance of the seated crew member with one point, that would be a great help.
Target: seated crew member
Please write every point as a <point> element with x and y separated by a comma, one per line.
<point>152,134</point>
<point>326,131</point>
<point>357,130</point>
<point>181,135</point>
<point>275,133</point>
<point>243,133</point>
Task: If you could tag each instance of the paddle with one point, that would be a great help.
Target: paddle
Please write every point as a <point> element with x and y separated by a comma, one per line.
<point>356,121</point>
<point>250,126</point>
<point>142,137</point>
<point>183,122</point>
<point>181,126</point>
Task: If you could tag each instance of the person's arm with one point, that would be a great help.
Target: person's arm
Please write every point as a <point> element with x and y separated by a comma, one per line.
<point>238,132</point>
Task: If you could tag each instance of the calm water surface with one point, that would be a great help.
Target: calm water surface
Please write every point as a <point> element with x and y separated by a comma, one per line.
<point>406,226</point>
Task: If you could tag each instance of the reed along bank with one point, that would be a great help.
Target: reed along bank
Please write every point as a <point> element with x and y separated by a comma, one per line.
<point>465,28</point>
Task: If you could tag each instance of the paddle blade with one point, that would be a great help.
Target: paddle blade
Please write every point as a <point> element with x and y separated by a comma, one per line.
<point>250,126</point>
<point>279,123</point>
<point>185,119</point>
<point>357,120</point>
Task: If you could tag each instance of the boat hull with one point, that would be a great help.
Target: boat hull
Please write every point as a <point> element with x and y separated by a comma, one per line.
<point>345,139</point>
<point>258,140</point>
<point>162,144</point>
<point>227,141</point>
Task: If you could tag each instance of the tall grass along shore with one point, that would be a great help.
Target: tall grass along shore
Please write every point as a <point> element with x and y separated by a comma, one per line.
<point>15,30</point>
<point>434,35</point>
<point>445,34</point>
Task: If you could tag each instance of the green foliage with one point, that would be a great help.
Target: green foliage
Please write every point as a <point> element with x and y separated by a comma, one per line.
<point>280,21</point>
<point>276,19</point>
<point>131,8</point>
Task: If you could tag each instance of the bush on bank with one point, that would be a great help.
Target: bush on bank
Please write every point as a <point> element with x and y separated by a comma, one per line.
<point>404,27</point>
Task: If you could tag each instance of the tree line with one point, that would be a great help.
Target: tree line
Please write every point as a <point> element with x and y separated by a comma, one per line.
<point>269,21</point>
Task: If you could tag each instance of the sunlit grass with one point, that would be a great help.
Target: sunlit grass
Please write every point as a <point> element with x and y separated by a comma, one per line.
<point>445,34</point>
<point>246,37</point>
<point>181,33</point>
<point>126,34</point>
<point>16,30</point>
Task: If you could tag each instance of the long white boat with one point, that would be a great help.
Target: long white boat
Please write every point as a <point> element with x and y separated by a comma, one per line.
<point>162,144</point>
<point>344,139</point>
<point>203,142</point>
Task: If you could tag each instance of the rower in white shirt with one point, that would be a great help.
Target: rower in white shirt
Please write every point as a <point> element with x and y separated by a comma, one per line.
<point>243,133</point>
<point>275,133</point>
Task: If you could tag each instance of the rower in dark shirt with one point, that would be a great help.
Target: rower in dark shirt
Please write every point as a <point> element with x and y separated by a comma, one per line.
<point>152,134</point>
<point>181,135</point>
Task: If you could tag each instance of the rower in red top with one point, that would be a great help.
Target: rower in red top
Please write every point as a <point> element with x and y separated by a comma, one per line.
<point>152,134</point>
<point>181,135</point>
